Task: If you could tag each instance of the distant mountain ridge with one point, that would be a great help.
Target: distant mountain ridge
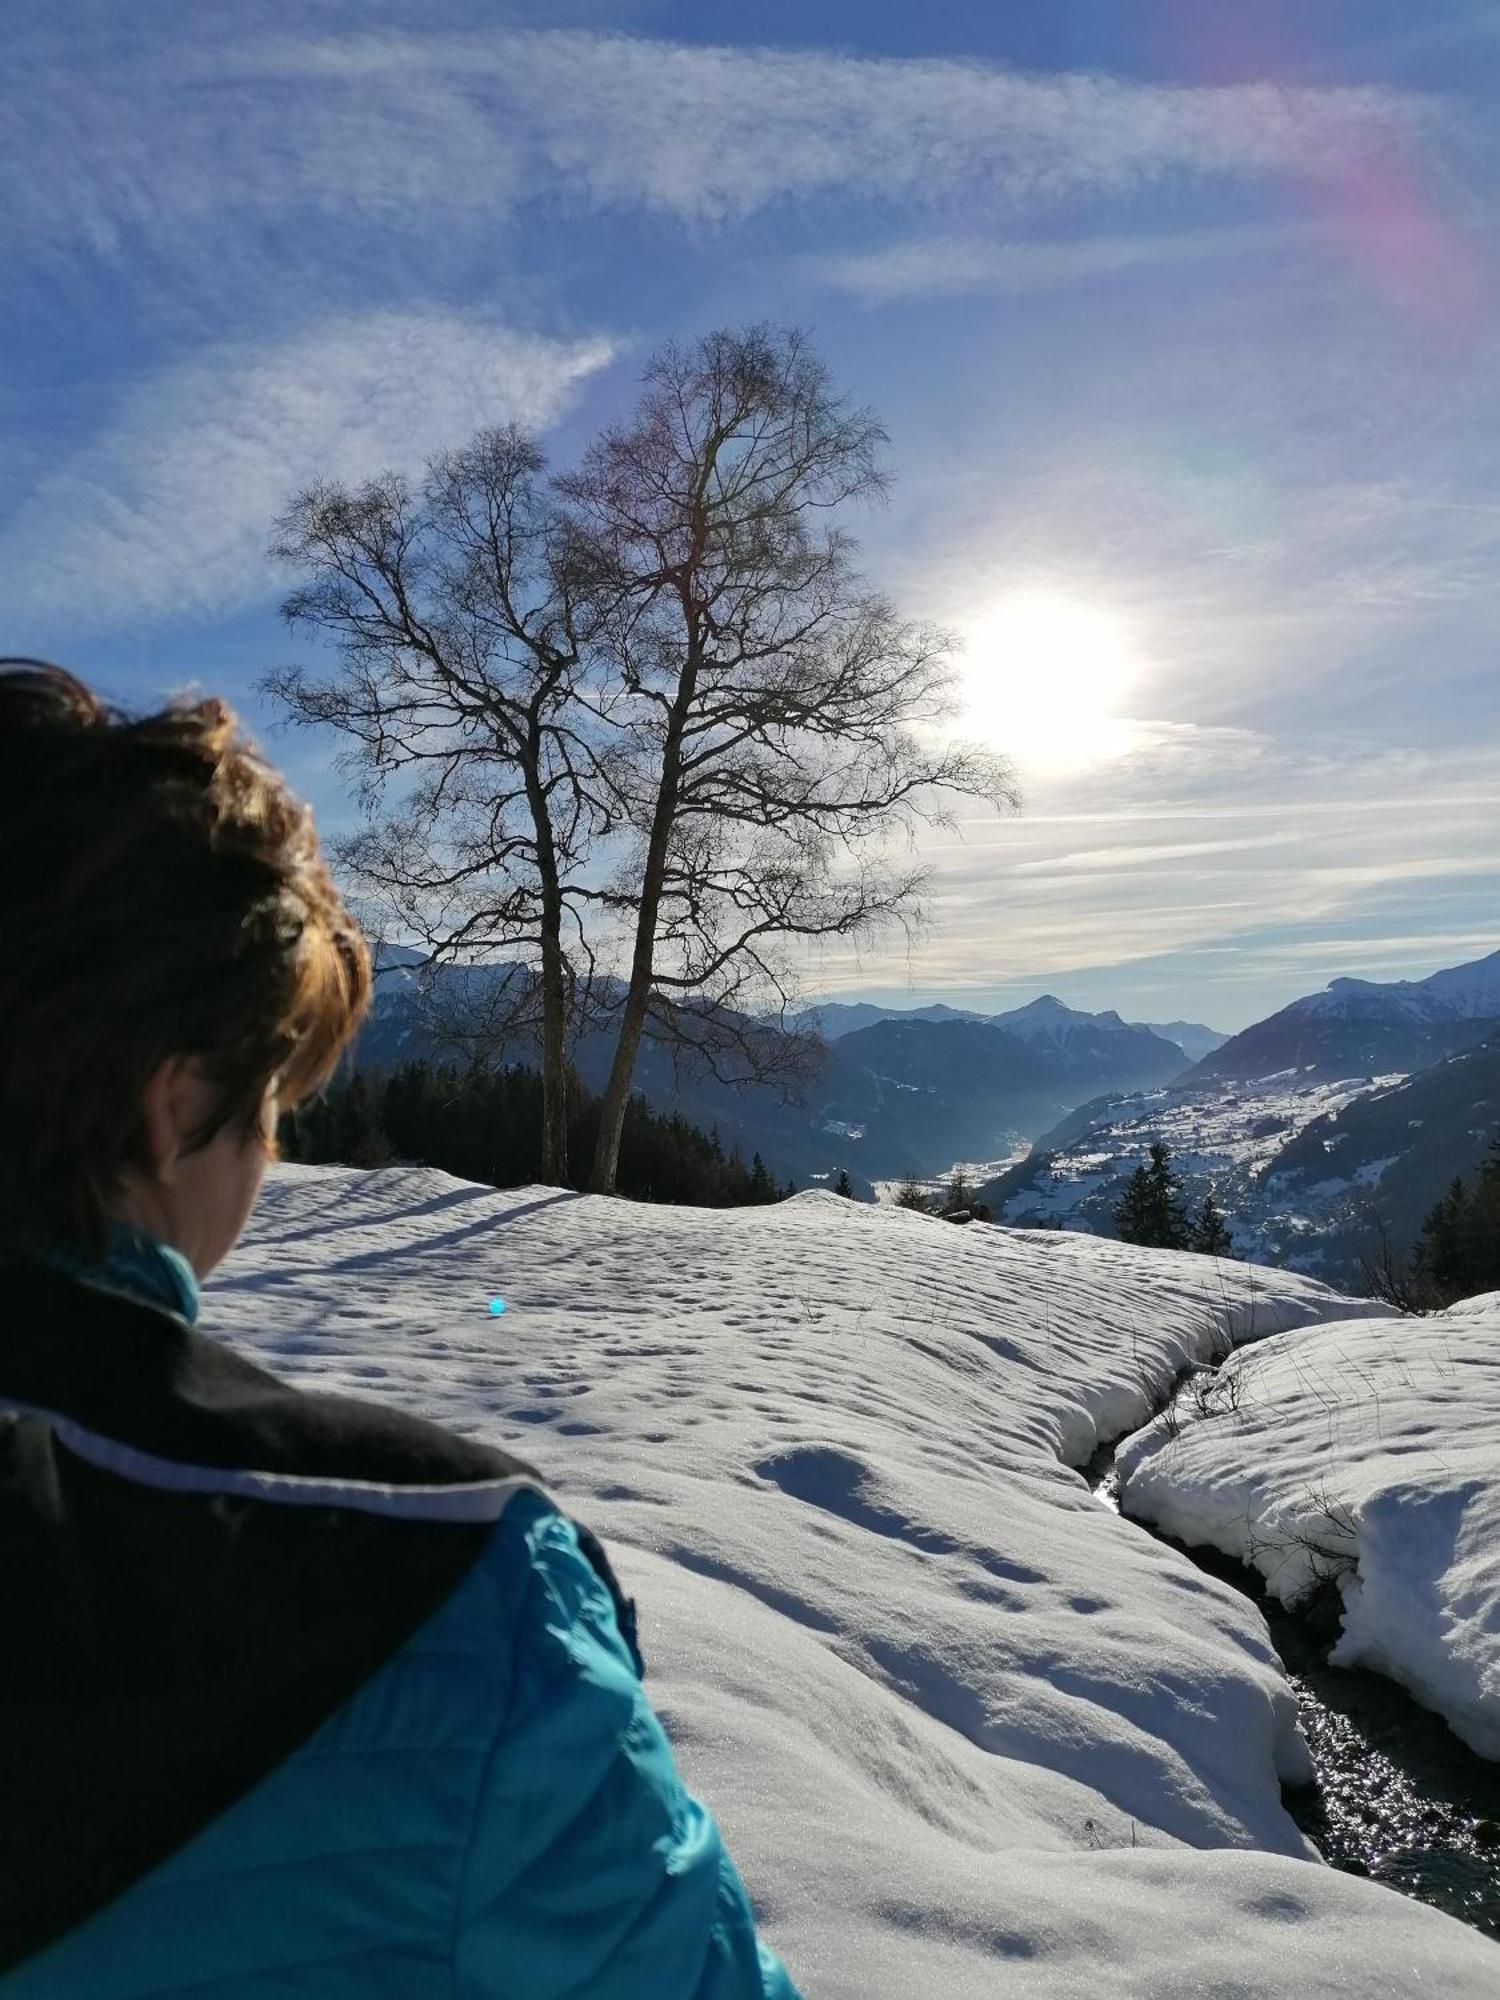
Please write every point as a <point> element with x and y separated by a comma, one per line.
<point>899,1092</point>
<point>833,1019</point>
<point>1355,1103</point>
<point>1191,1037</point>
<point>1325,1130</point>
<point>1046,1017</point>
<point>1363,1027</point>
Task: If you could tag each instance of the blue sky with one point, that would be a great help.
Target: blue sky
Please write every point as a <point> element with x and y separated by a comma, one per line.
<point>1181,319</point>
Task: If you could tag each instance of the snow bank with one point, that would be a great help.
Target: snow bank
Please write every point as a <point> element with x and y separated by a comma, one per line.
<point>1367,1452</point>
<point>965,1729</point>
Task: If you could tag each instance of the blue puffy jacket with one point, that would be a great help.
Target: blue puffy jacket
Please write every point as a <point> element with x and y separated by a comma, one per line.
<point>493,1810</point>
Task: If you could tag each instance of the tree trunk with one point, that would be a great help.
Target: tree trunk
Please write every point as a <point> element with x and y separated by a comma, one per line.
<point>554,1069</point>
<point>638,994</point>
<point>554,1022</point>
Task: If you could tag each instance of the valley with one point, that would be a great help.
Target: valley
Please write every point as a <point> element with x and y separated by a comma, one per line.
<point>1323,1131</point>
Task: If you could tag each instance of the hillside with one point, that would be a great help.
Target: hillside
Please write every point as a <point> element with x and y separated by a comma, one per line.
<point>1225,1138</point>
<point>1396,1148</point>
<point>967,1731</point>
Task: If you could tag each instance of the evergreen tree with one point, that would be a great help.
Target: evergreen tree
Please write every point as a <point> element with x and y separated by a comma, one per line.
<point>911,1194</point>
<point>486,1126</point>
<point>1151,1212</point>
<point>960,1194</point>
<point>1210,1232</point>
<point>1444,1250</point>
<point>843,1185</point>
<point>1484,1224</point>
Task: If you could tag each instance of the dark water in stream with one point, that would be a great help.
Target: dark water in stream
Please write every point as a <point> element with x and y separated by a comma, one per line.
<point>1397,1795</point>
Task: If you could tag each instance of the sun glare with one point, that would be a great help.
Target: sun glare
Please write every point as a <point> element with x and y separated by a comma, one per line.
<point>1042,678</point>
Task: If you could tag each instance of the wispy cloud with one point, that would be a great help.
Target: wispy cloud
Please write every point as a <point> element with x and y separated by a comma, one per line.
<point>158,138</point>
<point>952,267</point>
<point>168,510</point>
<point>1290,879</point>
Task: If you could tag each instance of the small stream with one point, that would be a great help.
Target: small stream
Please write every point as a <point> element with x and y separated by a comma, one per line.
<point>1397,1795</point>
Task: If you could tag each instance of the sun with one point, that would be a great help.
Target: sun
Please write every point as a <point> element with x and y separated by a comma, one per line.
<point>1043,677</point>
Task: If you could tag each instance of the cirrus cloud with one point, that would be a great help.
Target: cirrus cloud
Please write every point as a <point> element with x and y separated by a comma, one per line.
<point>168,508</point>
<point>152,139</point>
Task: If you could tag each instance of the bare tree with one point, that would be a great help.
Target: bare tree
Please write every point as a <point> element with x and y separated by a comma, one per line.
<point>766,698</point>
<point>1386,1274</point>
<point>467,627</point>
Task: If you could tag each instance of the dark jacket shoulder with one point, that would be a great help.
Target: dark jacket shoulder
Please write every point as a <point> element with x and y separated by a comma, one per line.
<point>206,1562</point>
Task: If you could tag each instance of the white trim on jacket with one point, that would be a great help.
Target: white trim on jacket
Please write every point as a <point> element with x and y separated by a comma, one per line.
<point>475,1500</point>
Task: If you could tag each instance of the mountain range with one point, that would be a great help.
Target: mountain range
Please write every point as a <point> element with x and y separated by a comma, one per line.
<point>1348,1108</point>
<point>1048,1015</point>
<point>1361,1027</point>
<point>1325,1130</point>
<point>897,1091</point>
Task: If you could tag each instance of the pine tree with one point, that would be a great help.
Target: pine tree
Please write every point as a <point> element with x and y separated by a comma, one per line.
<point>843,1185</point>
<point>761,1188</point>
<point>1210,1230</point>
<point>960,1194</point>
<point>1150,1212</point>
<point>1483,1237</point>
<point>1443,1254</point>
<point>1132,1214</point>
<point>911,1194</point>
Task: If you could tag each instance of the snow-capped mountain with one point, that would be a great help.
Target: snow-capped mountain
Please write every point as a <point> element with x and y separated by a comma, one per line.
<point>971,1088</point>
<point>1363,1027</point>
<point>1045,1019</point>
<point>834,1019</point>
<point>908,1092</point>
<point>1315,1175</point>
<point>1461,992</point>
<point>1094,1045</point>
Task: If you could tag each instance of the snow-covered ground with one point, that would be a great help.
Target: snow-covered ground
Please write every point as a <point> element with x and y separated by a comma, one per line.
<point>1367,1453</point>
<point>968,1732</point>
<point>1224,1137</point>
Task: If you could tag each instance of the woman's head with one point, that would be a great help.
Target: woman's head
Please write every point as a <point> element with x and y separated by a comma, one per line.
<point>176,966</point>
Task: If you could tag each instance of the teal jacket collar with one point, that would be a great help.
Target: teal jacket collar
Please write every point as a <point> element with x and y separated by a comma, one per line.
<point>137,1264</point>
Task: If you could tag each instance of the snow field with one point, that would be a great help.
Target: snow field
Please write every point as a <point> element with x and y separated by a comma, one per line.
<point>1367,1452</point>
<point>965,1729</point>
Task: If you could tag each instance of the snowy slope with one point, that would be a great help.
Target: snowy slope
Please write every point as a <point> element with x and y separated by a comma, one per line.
<point>1368,1451</point>
<point>1395,1149</point>
<point>1226,1138</point>
<point>968,1732</point>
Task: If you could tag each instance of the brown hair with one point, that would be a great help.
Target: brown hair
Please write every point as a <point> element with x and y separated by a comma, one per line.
<point>161,893</point>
